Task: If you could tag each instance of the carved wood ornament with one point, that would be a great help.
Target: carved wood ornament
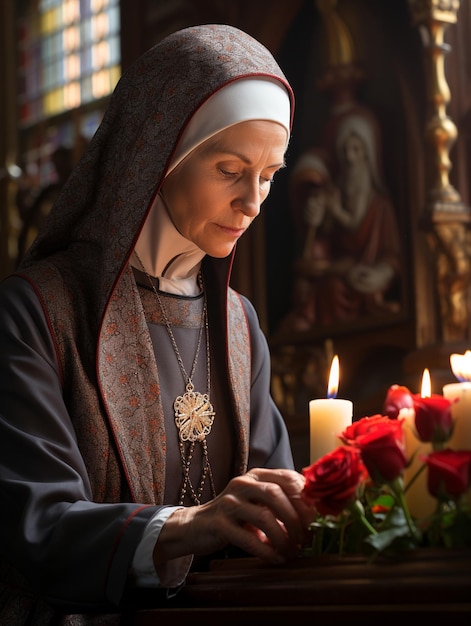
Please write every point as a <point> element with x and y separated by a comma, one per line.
<point>447,219</point>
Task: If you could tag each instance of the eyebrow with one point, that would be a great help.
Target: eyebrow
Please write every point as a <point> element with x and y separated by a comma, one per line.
<point>218,146</point>
<point>245,159</point>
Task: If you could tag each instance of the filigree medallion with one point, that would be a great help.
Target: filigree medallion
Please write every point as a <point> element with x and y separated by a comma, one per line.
<point>194,414</point>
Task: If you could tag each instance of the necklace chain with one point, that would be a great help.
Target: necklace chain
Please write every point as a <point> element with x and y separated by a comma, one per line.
<point>194,413</point>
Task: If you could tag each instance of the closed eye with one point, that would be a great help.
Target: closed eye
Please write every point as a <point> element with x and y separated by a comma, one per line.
<point>227,173</point>
<point>263,179</point>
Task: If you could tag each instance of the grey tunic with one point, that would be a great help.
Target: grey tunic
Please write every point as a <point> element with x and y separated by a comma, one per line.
<point>39,456</point>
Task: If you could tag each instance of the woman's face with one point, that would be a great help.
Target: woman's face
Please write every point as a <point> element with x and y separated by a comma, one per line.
<point>354,149</point>
<point>216,192</point>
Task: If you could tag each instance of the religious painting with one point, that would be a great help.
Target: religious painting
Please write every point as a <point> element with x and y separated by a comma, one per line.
<point>348,265</point>
<point>344,190</point>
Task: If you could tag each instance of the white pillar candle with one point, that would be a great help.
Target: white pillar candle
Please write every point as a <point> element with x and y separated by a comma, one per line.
<point>460,396</point>
<point>328,417</point>
<point>419,501</point>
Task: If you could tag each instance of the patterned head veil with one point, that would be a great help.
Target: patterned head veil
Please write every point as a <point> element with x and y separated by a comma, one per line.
<point>101,209</point>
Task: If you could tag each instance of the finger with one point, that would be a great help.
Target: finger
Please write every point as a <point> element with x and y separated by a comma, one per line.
<point>283,501</point>
<point>260,534</point>
<point>290,480</point>
<point>292,483</point>
<point>248,505</point>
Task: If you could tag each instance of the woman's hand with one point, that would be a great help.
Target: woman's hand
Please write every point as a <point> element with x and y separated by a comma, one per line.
<point>370,278</point>
<point>261,512</point>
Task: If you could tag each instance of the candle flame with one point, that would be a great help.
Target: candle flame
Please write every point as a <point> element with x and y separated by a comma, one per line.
<point>333,378</point>
<point>426,384</point>
<point>461,365</point>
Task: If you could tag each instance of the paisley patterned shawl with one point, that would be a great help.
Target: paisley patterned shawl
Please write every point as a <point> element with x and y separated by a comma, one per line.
<point>78,264</point>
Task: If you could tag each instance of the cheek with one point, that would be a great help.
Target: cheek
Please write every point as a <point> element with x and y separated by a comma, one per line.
<point>264,195</point>
<point>182,197</point>
<point>192,212</point>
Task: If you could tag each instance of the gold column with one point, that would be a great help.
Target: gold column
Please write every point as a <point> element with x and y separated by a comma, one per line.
<point>447,219</point>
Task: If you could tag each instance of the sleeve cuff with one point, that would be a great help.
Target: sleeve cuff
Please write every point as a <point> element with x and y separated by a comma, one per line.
<point>170,574</point>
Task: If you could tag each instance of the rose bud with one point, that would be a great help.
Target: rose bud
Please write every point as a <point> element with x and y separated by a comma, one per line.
<point>449,473</point>
<point>397,397</point>
<point>433,418</point>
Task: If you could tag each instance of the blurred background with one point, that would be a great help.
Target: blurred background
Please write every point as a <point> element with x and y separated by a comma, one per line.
<point>378,173</point>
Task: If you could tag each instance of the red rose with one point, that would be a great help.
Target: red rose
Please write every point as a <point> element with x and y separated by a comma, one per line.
<point>362,427</point>
<point>332,481</point>
<point>433,419</point>
<point>397,397</point>
<point>381,442</point>
<point>449,472</point>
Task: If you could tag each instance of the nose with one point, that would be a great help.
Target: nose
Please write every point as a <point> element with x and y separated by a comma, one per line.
<point>248,199</point>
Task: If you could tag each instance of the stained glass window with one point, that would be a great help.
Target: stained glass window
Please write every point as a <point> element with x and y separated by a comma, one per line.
<point>69,55</point>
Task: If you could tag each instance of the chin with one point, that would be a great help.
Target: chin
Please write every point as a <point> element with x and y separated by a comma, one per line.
<point>219,253</point>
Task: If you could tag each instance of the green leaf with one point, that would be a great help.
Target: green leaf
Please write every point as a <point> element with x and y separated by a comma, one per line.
<point>384,539</point>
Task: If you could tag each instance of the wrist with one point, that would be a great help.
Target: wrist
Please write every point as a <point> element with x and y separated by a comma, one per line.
<point>173,538</point>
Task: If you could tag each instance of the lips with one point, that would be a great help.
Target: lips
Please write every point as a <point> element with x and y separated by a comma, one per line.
<point>235,232</point>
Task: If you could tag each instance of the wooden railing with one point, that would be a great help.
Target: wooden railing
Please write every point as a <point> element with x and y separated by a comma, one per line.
<point>244,591</point>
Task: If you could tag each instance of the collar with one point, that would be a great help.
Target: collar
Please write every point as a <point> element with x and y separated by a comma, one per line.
<point>166,254</point>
